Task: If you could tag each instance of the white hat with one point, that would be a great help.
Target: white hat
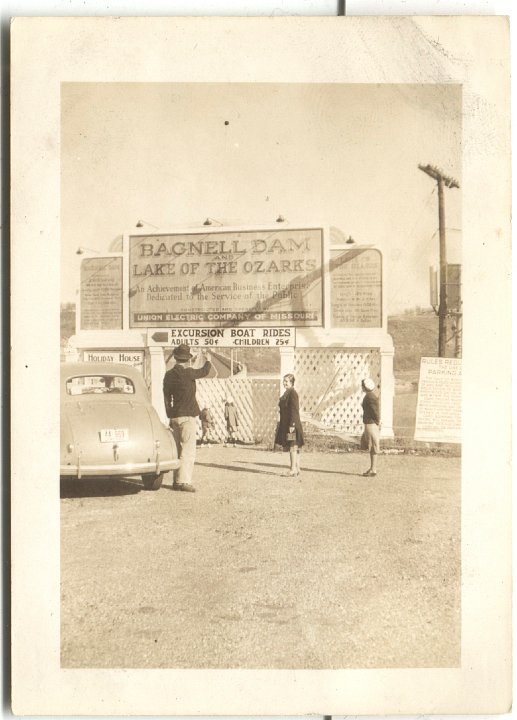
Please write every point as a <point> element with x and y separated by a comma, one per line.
<point>368,384</point>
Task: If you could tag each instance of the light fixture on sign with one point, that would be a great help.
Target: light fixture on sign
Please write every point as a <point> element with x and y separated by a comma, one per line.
<point>82,249</point>
<point>141,223</point>
<point>280,219</point>
<point>350,240</point>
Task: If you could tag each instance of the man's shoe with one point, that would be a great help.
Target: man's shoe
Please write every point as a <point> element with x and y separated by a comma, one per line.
<point>184,487</point>
<point>369,473</point>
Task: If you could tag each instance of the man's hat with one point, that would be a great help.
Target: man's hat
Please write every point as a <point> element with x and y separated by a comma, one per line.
<point>368,383</point>
<point>182,352</point>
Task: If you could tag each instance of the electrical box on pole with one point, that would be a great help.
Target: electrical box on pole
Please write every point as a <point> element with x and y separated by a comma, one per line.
<point>454,287</point>
<point>449,182</point>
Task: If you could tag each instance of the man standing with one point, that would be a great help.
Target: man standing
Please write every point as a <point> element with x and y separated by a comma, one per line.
<point>179,392</point>
<point>372,421</point>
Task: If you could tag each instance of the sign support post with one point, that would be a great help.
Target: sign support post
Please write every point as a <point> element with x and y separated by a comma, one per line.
<point>286,362</point>
<point>157,372</point>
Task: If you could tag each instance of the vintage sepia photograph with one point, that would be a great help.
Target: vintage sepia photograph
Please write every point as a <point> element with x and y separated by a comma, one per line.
<point>261,305</point>
<point>267,378</point>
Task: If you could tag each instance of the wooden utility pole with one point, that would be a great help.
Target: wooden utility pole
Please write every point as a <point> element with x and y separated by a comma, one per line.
<point>441,180</point>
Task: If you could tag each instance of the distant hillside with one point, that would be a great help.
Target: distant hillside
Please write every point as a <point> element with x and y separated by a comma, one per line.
<point>415,335</point>
<point>67,321</point>
<point>260,361</point>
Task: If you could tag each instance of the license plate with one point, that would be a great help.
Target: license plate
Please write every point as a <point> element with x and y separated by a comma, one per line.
<point>114,434</point>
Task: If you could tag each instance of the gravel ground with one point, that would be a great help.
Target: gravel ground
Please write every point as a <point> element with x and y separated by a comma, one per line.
<point>258,570</point>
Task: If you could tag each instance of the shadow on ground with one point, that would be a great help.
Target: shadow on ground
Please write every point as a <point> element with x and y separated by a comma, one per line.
<point>243,466</point>
<point>314,470</point>
<point>99,487</point>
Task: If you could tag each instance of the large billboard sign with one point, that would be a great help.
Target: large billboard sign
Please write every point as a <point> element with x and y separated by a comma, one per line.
<point>101,293</point>
<point>438,412</point>
<point>356,288</point>
<point>217,279</point>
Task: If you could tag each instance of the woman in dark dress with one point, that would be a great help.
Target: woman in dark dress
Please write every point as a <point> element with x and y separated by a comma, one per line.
<point>289,433</point>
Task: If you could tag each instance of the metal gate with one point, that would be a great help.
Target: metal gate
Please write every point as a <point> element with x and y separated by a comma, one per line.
<point>328,382</point>
<point>256,404</point>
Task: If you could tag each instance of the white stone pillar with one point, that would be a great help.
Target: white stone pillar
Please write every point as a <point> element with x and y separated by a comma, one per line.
<point>286,363</point>
<point>387,392</point>
<point>157,373</point>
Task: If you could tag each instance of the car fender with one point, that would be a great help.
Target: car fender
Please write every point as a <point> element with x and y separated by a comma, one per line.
<point>163,434</point>
<point>68,447</point>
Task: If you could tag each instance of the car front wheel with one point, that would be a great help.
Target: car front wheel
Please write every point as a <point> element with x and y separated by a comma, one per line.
<point>152,481</point>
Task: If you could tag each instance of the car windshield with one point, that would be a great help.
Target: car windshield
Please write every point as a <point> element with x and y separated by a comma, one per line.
<point>99,384</point>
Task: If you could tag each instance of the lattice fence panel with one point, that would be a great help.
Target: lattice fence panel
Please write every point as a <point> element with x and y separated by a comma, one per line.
<point>213,393</point>
<point>242,392</point>
<point>328,381</point>
<point>265,409</point>
<point>147,369</point>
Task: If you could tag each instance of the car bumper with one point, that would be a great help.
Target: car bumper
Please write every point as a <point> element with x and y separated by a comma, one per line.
<point>80,470</point>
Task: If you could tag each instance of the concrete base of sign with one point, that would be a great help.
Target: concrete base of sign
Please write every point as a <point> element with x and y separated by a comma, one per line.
<point>120,339</point>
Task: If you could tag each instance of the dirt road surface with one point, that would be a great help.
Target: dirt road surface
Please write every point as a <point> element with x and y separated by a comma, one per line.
<point>258,570</point>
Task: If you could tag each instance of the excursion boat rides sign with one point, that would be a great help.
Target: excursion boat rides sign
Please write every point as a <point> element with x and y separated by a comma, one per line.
<point>237,337</point>
<point>220,279</point>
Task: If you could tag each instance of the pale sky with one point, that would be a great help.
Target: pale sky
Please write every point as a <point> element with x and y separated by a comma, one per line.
<point>344,156</point>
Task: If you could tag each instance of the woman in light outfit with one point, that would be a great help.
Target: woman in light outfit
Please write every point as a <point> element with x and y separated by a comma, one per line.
<point>372,422</point>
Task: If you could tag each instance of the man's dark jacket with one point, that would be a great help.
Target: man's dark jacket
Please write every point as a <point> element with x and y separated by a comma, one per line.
<point>179,390</point>
<point>371,412</point>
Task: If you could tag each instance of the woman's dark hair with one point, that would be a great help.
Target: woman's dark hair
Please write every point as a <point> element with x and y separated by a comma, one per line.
<point>289,377</point>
